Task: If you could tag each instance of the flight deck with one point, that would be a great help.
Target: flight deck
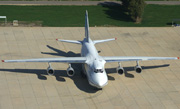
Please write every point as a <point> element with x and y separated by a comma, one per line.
<point>28,86</point>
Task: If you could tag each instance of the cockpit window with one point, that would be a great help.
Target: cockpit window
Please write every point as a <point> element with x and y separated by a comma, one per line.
<point>98,71</point>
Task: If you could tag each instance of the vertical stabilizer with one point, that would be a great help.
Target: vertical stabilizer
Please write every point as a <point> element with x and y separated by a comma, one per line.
<point>86,26</point>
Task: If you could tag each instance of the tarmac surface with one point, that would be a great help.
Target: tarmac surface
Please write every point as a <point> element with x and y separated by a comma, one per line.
<point>81,2</point>
<point>27,85</point>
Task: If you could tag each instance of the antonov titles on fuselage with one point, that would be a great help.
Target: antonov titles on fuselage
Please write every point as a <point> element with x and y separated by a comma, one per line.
<point>92,62</point>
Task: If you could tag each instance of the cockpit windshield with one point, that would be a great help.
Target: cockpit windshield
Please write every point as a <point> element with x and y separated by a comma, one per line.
<point>98,70</point>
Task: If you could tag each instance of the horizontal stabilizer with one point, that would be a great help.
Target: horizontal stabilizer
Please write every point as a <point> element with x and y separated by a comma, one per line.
<point>105,40</point>
<point>70,41</point>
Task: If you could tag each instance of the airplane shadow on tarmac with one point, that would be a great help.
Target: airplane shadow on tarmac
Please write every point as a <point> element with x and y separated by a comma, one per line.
<point>80,82</point>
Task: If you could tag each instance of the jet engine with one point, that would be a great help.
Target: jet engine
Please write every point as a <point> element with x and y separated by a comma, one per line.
<point>70,71</point>
<point>120,70</point>
<point>138,69</point>
<point>50,71</point>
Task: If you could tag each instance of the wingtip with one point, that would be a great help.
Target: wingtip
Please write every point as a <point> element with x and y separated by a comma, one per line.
<point>177,57</point>
<point>115,38</point>
<point>56,39</point>
<point>2,60</point>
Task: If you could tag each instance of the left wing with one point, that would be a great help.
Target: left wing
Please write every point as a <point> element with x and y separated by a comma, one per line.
<point>63,60</point>
<point>135,58</point>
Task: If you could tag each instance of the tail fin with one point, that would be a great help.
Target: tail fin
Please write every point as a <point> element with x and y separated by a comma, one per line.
<point>86,26</point>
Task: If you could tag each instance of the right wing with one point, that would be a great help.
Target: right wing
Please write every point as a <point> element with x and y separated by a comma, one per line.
<point>135,58</point>
<point>63,60</point>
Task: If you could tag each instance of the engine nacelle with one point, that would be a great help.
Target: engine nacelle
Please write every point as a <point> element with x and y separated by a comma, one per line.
<point>50,71</point>
<point>120,70</point>
<point>138,69</point>
<point>70,71</point>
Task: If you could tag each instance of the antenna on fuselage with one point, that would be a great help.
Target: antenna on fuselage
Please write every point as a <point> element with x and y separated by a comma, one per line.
<point>86,26</point>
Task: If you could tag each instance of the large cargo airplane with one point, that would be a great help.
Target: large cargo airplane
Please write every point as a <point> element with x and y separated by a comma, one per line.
<point>92,62</point>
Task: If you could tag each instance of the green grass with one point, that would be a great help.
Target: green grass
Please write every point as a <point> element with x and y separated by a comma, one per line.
<point>160,15</point>
<point>73,16</point>
<point>161,0</point>
<point>83,0</point>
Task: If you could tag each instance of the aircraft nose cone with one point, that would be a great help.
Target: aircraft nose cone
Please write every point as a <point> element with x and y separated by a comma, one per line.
<point>101,84</point>
<point>98,80</point>
<point>101,81</point>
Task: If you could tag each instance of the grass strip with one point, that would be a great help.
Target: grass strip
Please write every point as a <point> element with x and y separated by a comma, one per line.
<point>73,16</point>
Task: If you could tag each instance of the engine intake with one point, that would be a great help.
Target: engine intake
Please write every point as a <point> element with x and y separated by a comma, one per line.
<point>138,69</point>
<point>70,71</point>
<point>50,71</point>
<point>120,70</point>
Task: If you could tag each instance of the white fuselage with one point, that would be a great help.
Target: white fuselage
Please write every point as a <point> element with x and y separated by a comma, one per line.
<point>94,67</point>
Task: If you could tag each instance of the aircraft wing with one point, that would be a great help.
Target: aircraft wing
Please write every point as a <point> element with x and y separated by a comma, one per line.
<point>135,58</point>
<point>63,60</point>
